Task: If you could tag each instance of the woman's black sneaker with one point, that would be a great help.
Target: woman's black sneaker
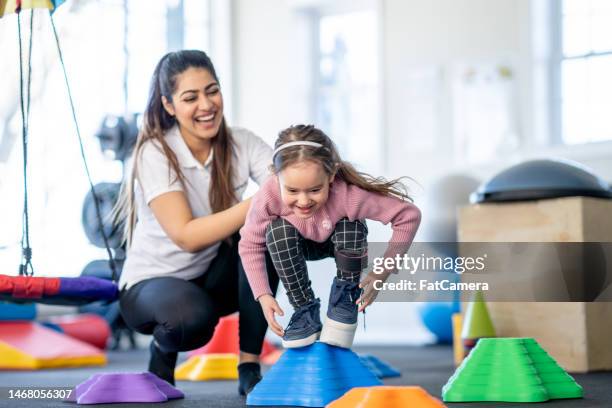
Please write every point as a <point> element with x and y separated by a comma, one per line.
<point>249,374</point>
<point>161,363</point>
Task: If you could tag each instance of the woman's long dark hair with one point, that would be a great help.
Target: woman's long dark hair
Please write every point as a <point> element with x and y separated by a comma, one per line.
<point>157,121</point>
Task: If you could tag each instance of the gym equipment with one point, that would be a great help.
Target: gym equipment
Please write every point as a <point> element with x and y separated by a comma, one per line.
<point>107,195</point>
<point>378,367</point>
<point>311,376</point>
<point>509,370</point>
<point>476,323</point>
<point>89,328</point>
<point>61,291</point>
<point>437,317</point>
<point>541,179</point>
<point>206,367</point>
<point>11,311</point>
<point>388,397</point>
<point>117,135</point>
<point>16,6</point>
<point>225,340</point>
<point>26,287</point>
<point>30,346</point>
<point>123,387</point>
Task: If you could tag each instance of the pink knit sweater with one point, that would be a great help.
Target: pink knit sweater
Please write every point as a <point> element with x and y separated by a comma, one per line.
<point>345,200</point>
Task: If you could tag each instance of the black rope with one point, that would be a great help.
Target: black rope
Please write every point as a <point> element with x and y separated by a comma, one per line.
<point>25,268</point>
<point>28,95</point>
<point>111,260</point>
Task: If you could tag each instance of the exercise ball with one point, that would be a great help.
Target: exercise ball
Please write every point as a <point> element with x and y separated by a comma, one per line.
<point>437,318</point>
<point>438,231</point>
<point>542,179</point>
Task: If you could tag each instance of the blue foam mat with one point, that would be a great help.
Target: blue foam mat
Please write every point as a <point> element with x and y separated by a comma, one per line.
<point>14,311</point>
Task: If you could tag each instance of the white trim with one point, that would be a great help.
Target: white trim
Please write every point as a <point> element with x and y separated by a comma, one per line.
<point>581,152</point>
<point>222,48</point>
<point>326,7</point>
<point>382,87</point>
<point>555,83</point>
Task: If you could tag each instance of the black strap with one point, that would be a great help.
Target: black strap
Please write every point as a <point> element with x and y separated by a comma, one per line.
<point>111,260</point>
<point>25,268</point>
<point>351,262</point>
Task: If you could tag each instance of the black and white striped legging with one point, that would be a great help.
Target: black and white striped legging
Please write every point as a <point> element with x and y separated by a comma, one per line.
<point>290,251</point>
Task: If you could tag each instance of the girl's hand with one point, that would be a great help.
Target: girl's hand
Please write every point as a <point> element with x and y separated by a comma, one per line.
<point>270,307</point>
<point>369,292</point>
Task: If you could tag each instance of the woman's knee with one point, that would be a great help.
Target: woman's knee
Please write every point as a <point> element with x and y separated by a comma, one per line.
<point>178,313</point>
<point>187,327</point>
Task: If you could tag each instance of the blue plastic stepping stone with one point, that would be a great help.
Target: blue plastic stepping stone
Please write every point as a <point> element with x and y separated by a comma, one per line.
<point>311,376</point>
<point>378,367</point>
<point>13,311</point>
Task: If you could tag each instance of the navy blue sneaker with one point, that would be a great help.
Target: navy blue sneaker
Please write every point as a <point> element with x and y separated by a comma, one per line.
<point>304,327</point>
<point>341,322</point>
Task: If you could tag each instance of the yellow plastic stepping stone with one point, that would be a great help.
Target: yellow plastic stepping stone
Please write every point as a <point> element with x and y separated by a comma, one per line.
<point>206,367</point>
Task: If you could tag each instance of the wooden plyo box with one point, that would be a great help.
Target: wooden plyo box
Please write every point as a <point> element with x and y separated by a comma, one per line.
<point>576,334</point>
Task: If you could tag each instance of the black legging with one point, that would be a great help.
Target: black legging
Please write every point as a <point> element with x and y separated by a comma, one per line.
<point>182,314</point>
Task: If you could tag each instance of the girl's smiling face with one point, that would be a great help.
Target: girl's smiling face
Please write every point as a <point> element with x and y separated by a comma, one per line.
<point>304,187</point>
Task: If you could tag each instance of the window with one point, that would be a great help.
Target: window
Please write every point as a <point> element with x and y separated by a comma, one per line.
<point>586,67</point>
<point>348,107</point>
<point>95,58</point>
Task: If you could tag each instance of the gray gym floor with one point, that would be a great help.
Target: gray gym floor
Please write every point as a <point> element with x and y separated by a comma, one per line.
<point>428,366</point>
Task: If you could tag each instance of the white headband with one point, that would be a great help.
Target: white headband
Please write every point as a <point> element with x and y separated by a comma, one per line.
<point>296,143</point>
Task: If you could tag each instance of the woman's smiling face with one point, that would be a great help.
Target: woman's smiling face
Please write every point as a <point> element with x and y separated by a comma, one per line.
<point>197,104</point>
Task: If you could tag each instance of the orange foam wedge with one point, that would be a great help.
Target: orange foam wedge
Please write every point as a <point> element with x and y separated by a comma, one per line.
<point>388,397</point>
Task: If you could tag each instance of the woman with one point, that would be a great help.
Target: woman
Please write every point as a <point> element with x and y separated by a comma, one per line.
<point>189,172</point>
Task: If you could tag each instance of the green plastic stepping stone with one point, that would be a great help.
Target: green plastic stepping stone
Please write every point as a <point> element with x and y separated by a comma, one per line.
<point>509,370</point>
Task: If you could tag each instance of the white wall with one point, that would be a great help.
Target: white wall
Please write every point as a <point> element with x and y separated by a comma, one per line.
<point>271,80</point>
<point>439,33</point>
<point>432,35</point>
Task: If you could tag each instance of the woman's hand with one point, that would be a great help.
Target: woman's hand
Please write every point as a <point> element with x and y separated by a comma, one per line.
<point>270,306</point>
<point>369,292</point>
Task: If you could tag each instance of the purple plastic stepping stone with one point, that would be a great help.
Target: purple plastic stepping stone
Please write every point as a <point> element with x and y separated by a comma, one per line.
<point>123,387</point>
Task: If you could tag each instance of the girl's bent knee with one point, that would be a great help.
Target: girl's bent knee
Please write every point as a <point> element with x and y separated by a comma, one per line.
<point>281,230</point>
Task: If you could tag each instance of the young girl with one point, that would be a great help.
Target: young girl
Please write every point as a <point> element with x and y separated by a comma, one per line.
<point>314,207</point>
<point>190,170</point>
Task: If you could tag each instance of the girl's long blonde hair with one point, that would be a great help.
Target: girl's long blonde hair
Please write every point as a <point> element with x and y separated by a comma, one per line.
<point>327,156</point>
<point>155,125</point>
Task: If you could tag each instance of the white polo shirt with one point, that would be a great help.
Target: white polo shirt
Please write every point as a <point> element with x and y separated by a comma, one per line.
<point>152,253</point>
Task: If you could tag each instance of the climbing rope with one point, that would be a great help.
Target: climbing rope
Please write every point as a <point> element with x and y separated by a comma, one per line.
<point>26,268</point>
